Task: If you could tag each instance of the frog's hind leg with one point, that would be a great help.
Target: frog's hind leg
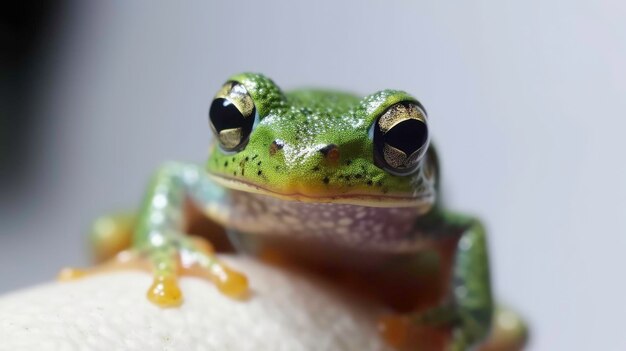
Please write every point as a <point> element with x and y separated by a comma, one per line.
<point>110,239</point>
<point>467,311</point>
<point>471,283</point>
<point>111,234</point>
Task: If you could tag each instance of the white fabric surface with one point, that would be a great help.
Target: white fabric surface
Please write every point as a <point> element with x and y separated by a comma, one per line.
<point>110,312</point>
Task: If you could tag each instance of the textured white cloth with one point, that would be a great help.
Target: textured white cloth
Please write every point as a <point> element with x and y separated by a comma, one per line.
<point>110,312</point>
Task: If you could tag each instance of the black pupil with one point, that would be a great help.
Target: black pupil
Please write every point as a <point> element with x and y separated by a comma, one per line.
<point>408,136</point>
<point>225,115</point>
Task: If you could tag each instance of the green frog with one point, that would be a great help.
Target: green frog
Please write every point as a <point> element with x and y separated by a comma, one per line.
<point>331,180</point>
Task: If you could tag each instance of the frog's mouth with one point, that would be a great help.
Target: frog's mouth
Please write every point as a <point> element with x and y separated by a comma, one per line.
<point>422,201</point>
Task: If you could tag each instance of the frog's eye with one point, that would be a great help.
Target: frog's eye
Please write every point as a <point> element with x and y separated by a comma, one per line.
<point>400,138</point>
<point>232,116</point>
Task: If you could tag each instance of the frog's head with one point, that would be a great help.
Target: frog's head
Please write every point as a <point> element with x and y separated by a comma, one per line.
<point>321,146</point>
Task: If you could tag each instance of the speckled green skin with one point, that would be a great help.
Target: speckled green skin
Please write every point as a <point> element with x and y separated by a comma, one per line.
<point>304,121</point>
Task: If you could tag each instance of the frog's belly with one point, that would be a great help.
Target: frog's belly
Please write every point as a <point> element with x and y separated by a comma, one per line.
<point>388,229</point>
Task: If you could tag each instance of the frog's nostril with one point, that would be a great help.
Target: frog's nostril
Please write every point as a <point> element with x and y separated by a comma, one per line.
<point>331,153</point>
<point>275,146</point>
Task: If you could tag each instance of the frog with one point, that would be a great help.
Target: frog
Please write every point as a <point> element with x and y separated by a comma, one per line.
<point>336,177</point>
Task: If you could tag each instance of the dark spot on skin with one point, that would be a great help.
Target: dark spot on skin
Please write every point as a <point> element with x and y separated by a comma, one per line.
<point>316,168</point>
<point>258,163</point>
<point>235,173</point>
<point>259,172</point>
<point>242,165</point>
<point>233,159</point>
<point>254,157</point>
<point>369,182</point>
<point>247,158</point>
<point>226,164</point>
<point>326,180</point>
<point>277,168</point>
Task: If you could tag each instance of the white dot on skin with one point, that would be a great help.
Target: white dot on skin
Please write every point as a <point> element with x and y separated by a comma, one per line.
<point>344,222</point>
<point>159,201</point>
<point>465,243</point>
<point>342,230</point>
<point>190,175</point>
<point>326,224</point>
<point>156,239</point>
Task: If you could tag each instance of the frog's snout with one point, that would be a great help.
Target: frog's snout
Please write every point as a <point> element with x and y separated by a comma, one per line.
<point>320,156</point>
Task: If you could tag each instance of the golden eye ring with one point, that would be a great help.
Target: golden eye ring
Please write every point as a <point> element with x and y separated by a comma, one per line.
<point>400,138</point>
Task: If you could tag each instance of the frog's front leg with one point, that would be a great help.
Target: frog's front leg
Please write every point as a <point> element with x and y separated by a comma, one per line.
<point>159,238</point>
<point>156,237</point>
<point>468,308</point>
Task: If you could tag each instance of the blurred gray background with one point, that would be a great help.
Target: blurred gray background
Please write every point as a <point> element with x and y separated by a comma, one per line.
<point>526,102</point>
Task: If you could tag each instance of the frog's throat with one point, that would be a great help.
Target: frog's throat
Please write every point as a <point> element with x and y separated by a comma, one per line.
<point>423,202</point>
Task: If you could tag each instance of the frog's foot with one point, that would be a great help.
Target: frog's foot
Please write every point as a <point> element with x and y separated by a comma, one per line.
<point>189,256</point>
<point>194,257</point>
<point>509,332</point>
<point>434,330</point>
<point>124,260</point>
<point>413,332</point>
